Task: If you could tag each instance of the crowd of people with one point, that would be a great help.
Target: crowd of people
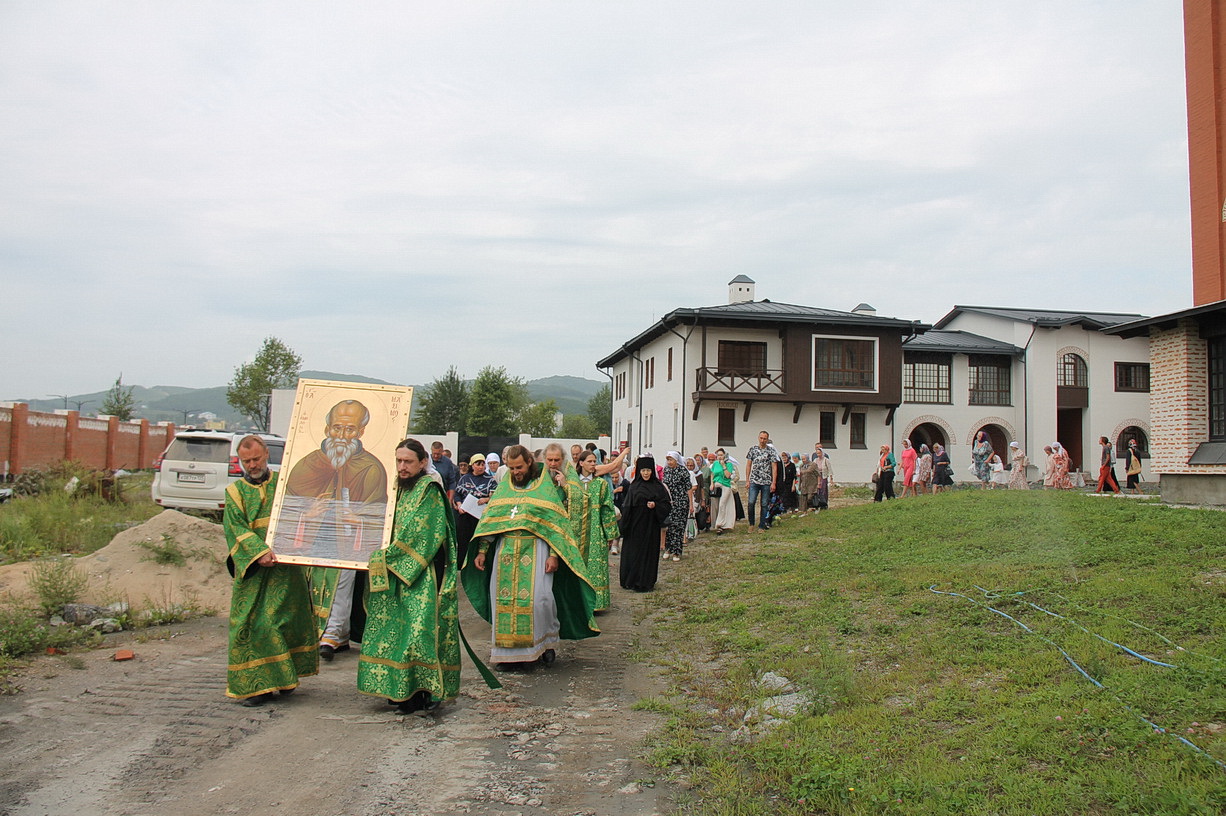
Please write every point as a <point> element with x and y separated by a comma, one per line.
<point>528,535</point>
<point>528,541</point>
<point>930,470</point>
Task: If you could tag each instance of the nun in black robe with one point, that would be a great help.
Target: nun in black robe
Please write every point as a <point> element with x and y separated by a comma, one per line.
<point>641,525</point>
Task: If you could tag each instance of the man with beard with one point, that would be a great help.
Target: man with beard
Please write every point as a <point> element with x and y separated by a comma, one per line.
<point>411,647</point>
<point>537,590</point>
<point>272,632</point>
<point>341,491</point>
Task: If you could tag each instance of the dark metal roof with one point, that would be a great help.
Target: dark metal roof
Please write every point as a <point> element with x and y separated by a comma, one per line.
<point>958,342</point>
<point>1049,318</point>
<point>1138,328</point>
<point>758,312</point>
<point>741,279</point>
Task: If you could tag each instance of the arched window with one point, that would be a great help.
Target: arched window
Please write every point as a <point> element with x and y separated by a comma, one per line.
<point>1072,371</point>
<point>1130,433</point>
<point>928,433</point>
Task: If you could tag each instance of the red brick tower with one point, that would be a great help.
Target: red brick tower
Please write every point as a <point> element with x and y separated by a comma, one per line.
<point>1205,56</point>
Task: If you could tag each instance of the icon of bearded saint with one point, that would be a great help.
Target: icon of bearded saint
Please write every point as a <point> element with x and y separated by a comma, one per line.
<point>339,491</point>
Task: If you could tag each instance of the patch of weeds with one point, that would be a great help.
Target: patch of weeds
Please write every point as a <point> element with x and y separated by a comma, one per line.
<point>656,705</point>
<point>165,613</point>
<point>848,627</point>
<point>54,522</point>
<point>7,667</point>
<point>23,633</point>
<point>170,553</point>
<point>678,745</point>
<point>56,582</point>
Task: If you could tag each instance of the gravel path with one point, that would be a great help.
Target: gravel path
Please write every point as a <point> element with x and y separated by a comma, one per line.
<point>156,735</point>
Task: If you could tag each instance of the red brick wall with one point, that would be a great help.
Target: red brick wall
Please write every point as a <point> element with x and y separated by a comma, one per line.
<point>1205,65</point>
<point>43,440</point>
<point>90,443</point>
<point>32,439</point>
<point>1178,399</point>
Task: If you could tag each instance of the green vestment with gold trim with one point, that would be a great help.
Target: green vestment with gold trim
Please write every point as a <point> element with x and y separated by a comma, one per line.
<point>412,638</point>
<point>273,639</point>
<point>597,527</point>
<point>576,499</point>
<point>322,581</point>
<point>519,516</point>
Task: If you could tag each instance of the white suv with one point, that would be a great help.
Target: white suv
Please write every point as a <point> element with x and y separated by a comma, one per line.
<point>197,467</point>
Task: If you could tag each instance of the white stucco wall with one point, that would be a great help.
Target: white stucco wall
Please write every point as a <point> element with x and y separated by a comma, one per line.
<point>1030,420</point>
<point>1034,412</point>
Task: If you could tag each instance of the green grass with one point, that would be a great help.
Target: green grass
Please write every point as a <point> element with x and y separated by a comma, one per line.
<point>23,633</point>
<point>55,522</point>
<point>52,523</point>
<point>933,704</point>
<point>169,552</point>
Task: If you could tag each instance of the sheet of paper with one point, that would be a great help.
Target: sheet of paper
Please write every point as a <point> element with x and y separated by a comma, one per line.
<point>471,506</point>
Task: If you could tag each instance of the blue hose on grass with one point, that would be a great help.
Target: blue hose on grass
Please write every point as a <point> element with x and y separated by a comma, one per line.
<point>1157,728</point>
<point>1072,622</point>
<point>1133,624</point>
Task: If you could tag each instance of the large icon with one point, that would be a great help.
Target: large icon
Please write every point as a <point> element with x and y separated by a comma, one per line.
<point>335,499</point>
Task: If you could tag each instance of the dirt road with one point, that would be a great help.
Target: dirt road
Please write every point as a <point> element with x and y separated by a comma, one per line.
<point>156,735</point>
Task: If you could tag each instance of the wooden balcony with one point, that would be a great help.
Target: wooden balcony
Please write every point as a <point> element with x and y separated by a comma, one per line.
<point>740,383</point>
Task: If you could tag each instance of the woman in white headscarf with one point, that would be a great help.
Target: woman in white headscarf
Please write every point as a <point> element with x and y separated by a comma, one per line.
<point>691,524</point>
<point>680,488</point>
<point>1059,467</point>
<point>1017,476</point>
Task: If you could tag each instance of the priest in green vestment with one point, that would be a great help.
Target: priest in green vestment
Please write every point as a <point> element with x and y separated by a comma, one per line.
<point>567,477</point>
<point>597,525</point>
<point>411,646</point>
<point>272,628</point>
<point>537,590</point>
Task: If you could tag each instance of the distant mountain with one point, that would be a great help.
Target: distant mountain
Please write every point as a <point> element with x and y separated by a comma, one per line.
<point>180,405</point>
<point>328,375</point>
<point>570,393</point>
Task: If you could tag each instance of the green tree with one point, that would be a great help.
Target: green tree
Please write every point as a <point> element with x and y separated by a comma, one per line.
<point>578,426</point>
<point>494,402</point>
<point>250,392</point>
<point>539,418</point>
<point>119,401</point>
<point>600,410</point>
<point>442,406</point>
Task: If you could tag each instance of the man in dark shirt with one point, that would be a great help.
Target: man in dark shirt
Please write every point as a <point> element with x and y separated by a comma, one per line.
<point>447,470</point>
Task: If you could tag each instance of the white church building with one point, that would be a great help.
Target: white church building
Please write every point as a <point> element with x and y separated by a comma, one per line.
<point>714,376</point>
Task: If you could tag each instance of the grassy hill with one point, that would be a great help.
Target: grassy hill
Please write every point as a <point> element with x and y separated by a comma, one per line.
<point>570,393</point>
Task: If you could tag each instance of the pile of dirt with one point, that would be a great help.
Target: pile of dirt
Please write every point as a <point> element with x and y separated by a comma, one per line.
<point>127,569</point>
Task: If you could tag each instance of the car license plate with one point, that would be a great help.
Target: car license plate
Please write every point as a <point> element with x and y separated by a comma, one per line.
<point>196,478</point>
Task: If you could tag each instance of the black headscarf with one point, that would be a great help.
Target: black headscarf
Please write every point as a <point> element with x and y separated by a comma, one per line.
<point>643,490</point>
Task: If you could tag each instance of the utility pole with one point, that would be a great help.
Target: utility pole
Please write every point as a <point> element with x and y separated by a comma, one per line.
<point>80,403</point>
<point>64,397</point>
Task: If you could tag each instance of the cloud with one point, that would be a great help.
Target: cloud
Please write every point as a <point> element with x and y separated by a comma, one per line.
<point>395,188</point>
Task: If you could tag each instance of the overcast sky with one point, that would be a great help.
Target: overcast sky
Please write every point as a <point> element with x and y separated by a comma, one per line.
<point>393,188</point>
